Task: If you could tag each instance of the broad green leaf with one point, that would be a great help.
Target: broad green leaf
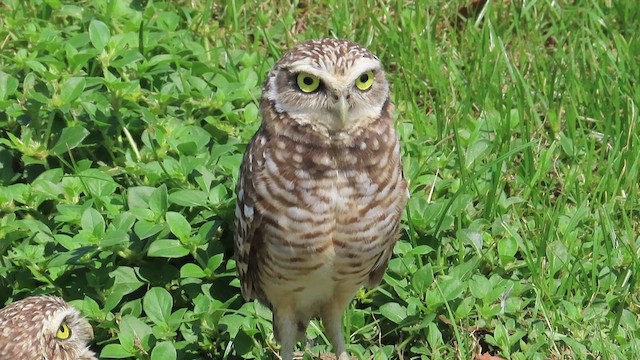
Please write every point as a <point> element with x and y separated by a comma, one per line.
<point>452,288</point>
<point>477,150</point>
<point>464,269</point>
<point>125,281</point>
<point>507,248</point>
<point>47,188</point>
<point>419,250</point>
<point>233,323</point>
<point>158,202</point>
<point>124,221</point>
<point>72,11</point>
<point>168,21</point>
<point>145,229</point>
<point>394,312</point>
<point>434,336</point>
<point>164,351</point>
<point>67,241</point>
<point>99,34</point>
<point>189,198</point>
<point>36,66</point>
<point>465,307</point>
<point>192,270</point>
<point>479,286</point>
<point>8,85</point>
<point>214,262</point>
<point>93,222</point>
<point>16,192</point>
<point>250,113</point>
<point>69,139</point>
<point>138,196</point>
<point>115,351</point>
<point>90,308</point>
<point>134,333</point>
<point>243,343</point>
<point>167,248</point>
<point>157,304</point>
<point>71,89</point>
<point>208,232</point>
<point>501,335</point>
<point>422,278</point>
<point>188,148</point>
<point>6,165</point>
<point>114,237</point>
<point>133,308</point>
<point>177,318</point>
<point>178,225</point>
<point>127,57</point>
<point>98,182</point>
<point>218,194</point>
<point>473,237</point>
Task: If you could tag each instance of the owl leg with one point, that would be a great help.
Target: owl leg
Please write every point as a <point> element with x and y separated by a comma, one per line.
<point>331,315</point>
<point>286,332</point>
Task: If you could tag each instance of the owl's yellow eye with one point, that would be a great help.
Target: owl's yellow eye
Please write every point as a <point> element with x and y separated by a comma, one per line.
<point>307,82</point>
<point>364,81</point>
<point>63,332</point>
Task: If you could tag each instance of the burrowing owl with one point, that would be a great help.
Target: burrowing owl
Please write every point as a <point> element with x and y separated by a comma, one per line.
<point>321,189</point>
<point>44,327</point>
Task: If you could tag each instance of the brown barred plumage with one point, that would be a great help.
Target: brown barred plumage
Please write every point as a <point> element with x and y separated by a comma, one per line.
<point>321,189</point>
<point>44,327</point>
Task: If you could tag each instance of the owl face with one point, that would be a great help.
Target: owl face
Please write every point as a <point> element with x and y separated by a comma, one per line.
<point>330,85</point>
<point>44,327</point>
<point>67,332</point>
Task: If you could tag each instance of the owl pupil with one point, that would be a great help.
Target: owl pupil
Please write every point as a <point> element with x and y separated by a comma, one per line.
<point>307,80</point>
<point>364,78</point>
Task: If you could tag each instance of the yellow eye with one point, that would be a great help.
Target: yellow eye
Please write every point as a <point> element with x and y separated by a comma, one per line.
<point>307,82</point>
<point>364,81</point>
<point>63,332</point>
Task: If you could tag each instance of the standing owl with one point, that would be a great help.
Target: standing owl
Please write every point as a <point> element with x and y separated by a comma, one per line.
<point>44,328</point>
<point>321,189</point>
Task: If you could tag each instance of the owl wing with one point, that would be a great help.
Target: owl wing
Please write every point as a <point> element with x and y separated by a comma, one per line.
<point>380,266</point>
<point>247,236</point>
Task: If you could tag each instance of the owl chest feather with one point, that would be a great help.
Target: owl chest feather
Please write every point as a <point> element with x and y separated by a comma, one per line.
<point>327,209</point>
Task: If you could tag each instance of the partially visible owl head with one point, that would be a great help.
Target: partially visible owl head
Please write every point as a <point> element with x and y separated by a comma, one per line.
<point>331,85</point>
<point>44,327</point>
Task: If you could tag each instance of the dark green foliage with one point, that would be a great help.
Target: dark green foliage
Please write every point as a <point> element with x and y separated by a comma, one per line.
<point>122,128</point>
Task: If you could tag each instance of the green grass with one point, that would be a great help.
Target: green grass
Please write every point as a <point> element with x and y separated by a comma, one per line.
<point>122,128</point>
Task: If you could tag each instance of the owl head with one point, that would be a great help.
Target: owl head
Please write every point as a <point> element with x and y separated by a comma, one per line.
<point>44,327</point>
<point>330,85</point>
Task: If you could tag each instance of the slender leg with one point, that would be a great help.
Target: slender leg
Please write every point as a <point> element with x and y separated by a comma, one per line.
<point>285,332</point>
<point>332,320</point>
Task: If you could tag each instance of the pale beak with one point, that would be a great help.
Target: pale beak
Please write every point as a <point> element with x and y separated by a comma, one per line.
<point>342,107</point>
